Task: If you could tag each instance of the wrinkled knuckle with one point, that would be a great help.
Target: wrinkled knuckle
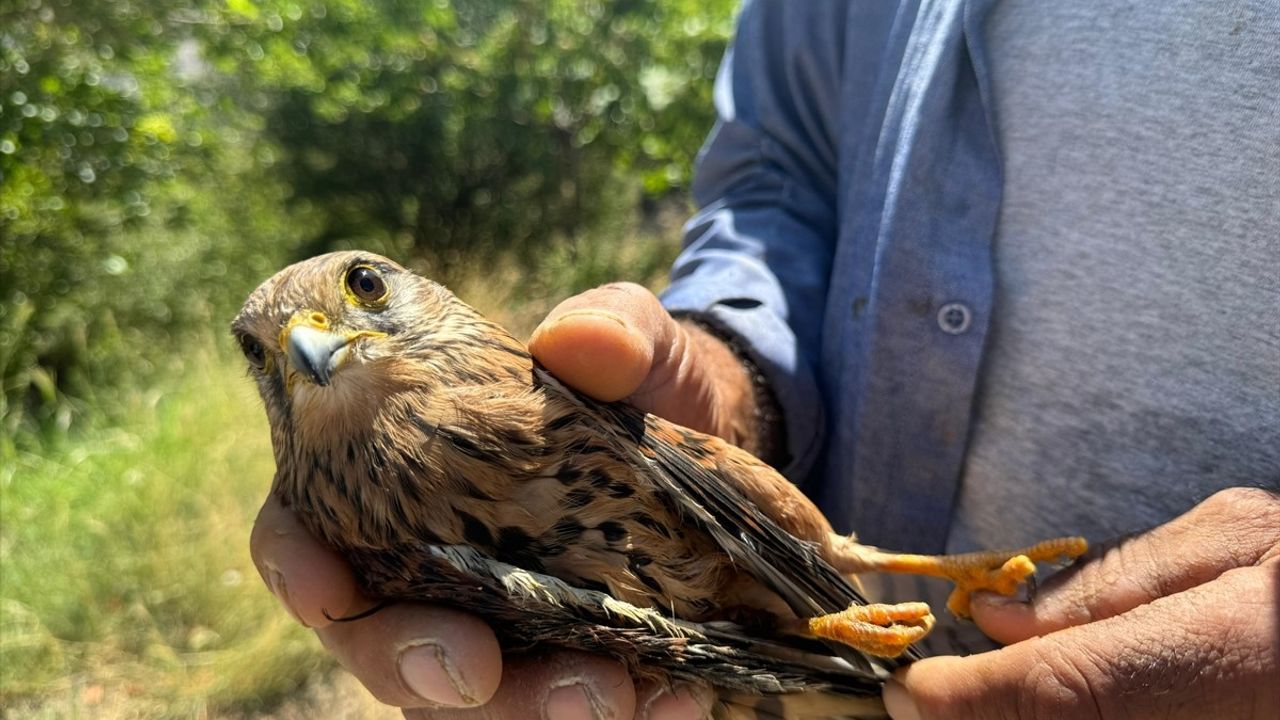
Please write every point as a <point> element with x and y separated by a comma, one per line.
<point>1058,684</point>
<point>1253,514</point>
<point>1139,563</point>
<point>1248,500</point>
<point>1089,595</point>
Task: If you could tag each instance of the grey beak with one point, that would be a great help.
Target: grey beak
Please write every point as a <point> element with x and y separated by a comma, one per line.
<point>312,352</point>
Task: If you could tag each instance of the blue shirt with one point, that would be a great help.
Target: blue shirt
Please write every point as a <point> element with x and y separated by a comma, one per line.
<point>1009,267</point>
<point>856,212</point>
<point>850,192</point>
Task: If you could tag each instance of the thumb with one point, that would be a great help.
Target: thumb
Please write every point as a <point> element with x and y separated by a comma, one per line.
<point>605,342</point>
<point>617,342</point>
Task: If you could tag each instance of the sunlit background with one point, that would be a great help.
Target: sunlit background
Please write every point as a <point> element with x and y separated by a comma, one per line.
<point>160,158</point>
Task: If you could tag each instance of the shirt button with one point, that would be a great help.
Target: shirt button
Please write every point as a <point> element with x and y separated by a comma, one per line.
<point>955,318</point>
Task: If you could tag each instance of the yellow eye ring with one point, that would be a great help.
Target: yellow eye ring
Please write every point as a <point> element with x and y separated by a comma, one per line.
<point>363,285</point>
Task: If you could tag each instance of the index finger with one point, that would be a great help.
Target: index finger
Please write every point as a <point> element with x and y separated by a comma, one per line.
<point>1213,650</point>
<point>307,577</point>
<point>1233,528</point>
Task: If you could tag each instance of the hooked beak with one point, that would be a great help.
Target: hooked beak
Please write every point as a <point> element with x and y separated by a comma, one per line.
<point>315,351</point>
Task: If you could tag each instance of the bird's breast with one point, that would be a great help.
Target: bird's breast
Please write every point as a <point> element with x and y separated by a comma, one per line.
<point>546,493</point>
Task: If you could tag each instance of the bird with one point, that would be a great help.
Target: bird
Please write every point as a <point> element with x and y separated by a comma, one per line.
<point>424,443</point>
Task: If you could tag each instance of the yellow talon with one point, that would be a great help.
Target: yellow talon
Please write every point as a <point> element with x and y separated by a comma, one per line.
<point>1004,580</point>
<point>881,630</point>
<point>998,571</point>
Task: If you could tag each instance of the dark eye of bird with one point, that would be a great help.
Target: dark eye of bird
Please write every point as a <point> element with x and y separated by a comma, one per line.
<point>253,351</point>
<point>366,284</point>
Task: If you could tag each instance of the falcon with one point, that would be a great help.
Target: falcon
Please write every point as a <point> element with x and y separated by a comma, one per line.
<point>424,443</point>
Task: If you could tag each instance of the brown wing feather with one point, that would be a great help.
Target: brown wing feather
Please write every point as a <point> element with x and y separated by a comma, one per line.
<point>792,568</point>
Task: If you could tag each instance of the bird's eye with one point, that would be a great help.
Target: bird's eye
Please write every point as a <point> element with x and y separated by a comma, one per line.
<point>365,283</point>
<point>253,351</point>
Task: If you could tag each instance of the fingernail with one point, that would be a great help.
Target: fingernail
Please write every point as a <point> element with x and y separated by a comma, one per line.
<point>275,580</point>
<point>425,669</point>
<point>678,705</point>
<point>898,703</point>
<point>583,315</point>
<point>594,314</point>
<point>572,702</point>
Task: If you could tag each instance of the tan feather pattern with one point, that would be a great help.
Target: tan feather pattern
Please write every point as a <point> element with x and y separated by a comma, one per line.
<point>441,432</point>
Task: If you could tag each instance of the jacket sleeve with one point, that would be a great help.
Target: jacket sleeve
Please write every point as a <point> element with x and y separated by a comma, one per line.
<point>757,255</point>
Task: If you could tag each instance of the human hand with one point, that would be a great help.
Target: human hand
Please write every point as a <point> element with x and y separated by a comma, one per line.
<point>438,663</point>
<point>1180,622</point>
<point>617,342</point>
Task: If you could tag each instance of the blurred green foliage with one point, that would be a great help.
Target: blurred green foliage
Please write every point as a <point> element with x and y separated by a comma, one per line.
<point>158,158</point>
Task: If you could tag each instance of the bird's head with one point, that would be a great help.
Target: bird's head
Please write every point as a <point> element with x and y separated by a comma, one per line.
<point>329,337</point>
<point>359,362</point>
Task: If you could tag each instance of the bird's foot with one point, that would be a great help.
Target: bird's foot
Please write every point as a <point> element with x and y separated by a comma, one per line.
<point>1000,571</point>
<point>881,630</point>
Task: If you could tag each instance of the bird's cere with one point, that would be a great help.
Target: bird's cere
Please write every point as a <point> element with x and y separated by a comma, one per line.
<point>315,350</point>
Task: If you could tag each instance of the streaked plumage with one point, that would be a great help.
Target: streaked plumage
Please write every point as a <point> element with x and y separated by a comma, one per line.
<point>407,428</point>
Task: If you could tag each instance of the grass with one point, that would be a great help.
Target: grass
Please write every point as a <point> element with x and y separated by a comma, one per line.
<point>126,565</point>
<point>126,587</point>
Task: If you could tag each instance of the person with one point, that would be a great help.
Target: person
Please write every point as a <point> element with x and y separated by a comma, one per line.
<point>974,274</point>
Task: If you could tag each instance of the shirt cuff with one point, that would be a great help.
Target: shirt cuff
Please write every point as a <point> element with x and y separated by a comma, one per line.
<point>771,345</point>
